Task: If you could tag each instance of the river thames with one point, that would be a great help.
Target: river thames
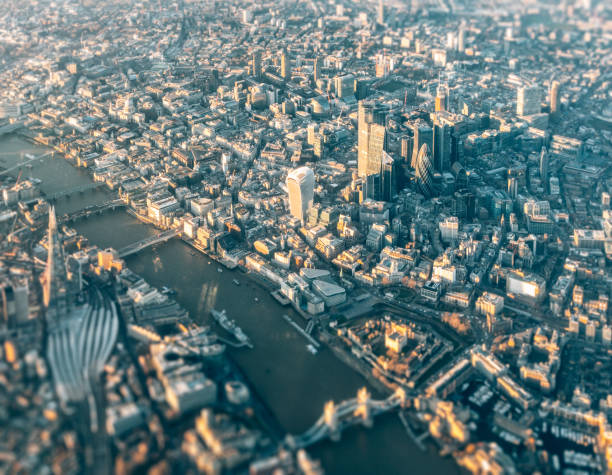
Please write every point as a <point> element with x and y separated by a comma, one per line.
<point>294,383</point>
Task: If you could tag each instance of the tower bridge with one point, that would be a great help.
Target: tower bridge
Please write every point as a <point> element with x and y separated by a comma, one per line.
<point>335,418</point>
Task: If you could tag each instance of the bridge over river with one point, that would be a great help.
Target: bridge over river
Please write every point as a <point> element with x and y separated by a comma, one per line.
<point>91,210</point>
<point>336,418</point>
<point>73,191</point>
<point>147,242</point>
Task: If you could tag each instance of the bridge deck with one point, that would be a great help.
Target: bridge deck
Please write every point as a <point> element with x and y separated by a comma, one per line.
<point>150,241</point>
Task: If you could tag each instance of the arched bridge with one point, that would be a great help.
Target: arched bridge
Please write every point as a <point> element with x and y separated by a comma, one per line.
<point>335,418</point>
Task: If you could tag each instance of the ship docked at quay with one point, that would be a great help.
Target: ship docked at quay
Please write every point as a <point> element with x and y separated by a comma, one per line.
<point>230,326</point>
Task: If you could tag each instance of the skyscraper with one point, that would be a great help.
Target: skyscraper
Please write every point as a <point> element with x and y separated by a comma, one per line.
<point>285,66</point>
<point>441,146</point>
<point>388,178</point>
<point>461,39</point>
<point>317,69</point>
<point>512,187</point>
<point>554,98</point>
<point>422,134</point>
<point>528,100</point>
<point>256,64</point>
<point>371,145</point>
<point>406,147</point>
<point>369,114</point>
<point>344,85</point>
<point>376,147</point>
<point>424,171</point>
<point>300,185</point>
<point>544,165</point>
<point>441,103</point>
<point>54,278</point>
<point>380,13</point>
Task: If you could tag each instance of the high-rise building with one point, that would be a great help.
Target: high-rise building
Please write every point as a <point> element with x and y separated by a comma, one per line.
<point>544,158</point>
<point>424,171</point>
<point>256,64</point>
<point>461,39</point>
<point>318,63</point>
<point>371,146</point>
<point>388,178</point>
<point>384,65</point>
<point>345,86</point>
<point>376,147</point>
<point>406,147</point>
<point>528,100</point>
<point>380,13</point>
<point>300,185</point>
<point>554,98</point>
<point>369,113</point>
<point>464,204</point>
<point>319,146</point>
<point>312,129</point>
<point>54,278</point>
<point>422,134</point>
<point>14,305</point>
<point>441,102</point>
<point>513,187</point>
<point>441,146</point>
<point>285,66</point>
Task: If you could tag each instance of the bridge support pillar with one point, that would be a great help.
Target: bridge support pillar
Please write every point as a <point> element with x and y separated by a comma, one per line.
<point>363,407</point>
<point>400,394</point>
<point>331,420</point>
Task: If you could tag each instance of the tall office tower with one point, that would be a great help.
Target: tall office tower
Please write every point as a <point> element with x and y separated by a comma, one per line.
<point>238,90</point>
<point>319,146</point>
<point>528,100</point>
<point>14,305</point>
<point>441,146</point>
<point>363,136</point>
<point>441,98</point>
<point>285,66</point>
<point>345,86</point>
<point>406,147</point>
<point>424,171</point>
<point>388,178</point>
<point>300,185</point>
<point>376,146</point>
<point>380,13</point>
<point>512,187</point>
<point>464,204</point>
<point>544,159</point>
<point>461,39</point>
<point>369,113</point>
<point>422,134</point>
<point>256,64</point>
<point>554,98</point>
<point>312,129</point>
<point>318,63</point>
